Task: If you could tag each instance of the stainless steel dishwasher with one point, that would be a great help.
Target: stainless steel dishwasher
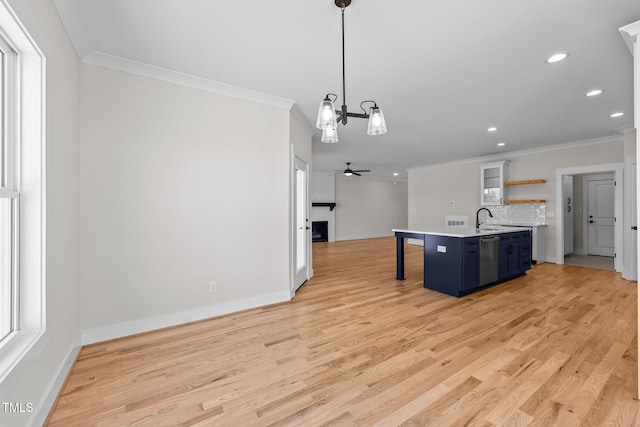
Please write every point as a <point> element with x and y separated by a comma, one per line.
<point>489,247</point>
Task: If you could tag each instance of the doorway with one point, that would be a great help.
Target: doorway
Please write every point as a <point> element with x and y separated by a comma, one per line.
<point>610,213</point>
<point>301,241</point>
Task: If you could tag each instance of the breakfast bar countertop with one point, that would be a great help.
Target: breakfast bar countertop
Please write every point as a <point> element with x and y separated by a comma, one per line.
<point>484,230</point>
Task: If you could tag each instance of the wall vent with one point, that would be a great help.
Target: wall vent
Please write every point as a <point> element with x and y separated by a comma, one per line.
<point>456,221</point>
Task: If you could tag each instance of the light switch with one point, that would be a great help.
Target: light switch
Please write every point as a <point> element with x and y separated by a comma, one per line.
<point>442,249</point>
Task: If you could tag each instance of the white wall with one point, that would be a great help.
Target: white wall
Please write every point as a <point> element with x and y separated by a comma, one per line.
<point>300,134</point>
<point>179,187</point>
<point>431,189</point>
<point>32,380</point>
<point>369,207</point>
<point>323,187</point>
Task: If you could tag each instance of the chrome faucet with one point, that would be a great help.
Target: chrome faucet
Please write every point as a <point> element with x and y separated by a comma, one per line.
<point>478,215</point>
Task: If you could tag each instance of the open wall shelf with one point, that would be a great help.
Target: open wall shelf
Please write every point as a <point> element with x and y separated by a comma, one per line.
<point>520,202</point>
<point>527,181</point>
<point>524,182</point>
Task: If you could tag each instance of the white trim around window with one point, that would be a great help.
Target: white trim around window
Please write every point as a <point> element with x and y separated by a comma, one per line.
<point>26,130</point>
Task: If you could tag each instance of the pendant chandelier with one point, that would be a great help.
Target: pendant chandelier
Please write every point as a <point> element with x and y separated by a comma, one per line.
<point>328,117</point>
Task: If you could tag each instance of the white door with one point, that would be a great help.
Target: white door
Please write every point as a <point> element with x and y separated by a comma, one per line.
<point>567,197</point>
<point>302,231</point>
<point>600,217</point>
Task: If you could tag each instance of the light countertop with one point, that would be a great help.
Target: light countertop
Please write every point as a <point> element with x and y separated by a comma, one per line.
<point>514,224</point>
<point>485,230</point>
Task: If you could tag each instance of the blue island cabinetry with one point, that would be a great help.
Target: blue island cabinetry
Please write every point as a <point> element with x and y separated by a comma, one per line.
<point>514,256</point>
<point>453,259</point>
<point>451,264</point>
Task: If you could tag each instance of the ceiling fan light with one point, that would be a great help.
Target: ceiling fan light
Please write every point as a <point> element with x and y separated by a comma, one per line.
<point>326,114</point>
<point>330,134</point>
<point>348,173</point>
<point>377,125</point>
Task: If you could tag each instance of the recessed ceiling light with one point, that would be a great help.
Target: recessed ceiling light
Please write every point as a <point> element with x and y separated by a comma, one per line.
<point>501,144</point>
<point>595,92</point>
<point>618,114</point>
<point>492,129</point>
<point>396,174</point>
<point>556,58</point>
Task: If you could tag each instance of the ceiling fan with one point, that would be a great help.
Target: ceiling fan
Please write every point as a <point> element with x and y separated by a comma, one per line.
<point>348,171</point>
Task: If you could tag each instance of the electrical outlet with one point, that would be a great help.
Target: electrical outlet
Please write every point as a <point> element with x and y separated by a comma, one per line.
<point>213,286</point>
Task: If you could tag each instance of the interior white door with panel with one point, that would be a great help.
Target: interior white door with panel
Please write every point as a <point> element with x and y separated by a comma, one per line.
<point>600,216</point>
<point>302,225</point>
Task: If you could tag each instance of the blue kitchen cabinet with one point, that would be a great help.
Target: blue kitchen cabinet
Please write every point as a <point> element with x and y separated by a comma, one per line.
<point>509,256</point>
<point>514,256</point>
<point>471,264</point>
<point>525,250</point>
<point>451,264</point>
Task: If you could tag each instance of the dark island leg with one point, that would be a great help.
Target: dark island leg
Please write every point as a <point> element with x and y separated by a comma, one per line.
<point>399,257</point>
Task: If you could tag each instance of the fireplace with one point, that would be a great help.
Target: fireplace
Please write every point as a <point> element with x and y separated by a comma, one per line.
<point>320,231</point>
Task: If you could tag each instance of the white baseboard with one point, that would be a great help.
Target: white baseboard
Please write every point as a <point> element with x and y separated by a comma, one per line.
<point>44,407</point>
<point>367,236</point>
<point>416,242</point>
<point>119,330</point>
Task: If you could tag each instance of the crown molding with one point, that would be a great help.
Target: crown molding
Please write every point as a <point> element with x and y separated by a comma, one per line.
<point>495,157</point>
<point>145,70</point>
<point>630,34</point>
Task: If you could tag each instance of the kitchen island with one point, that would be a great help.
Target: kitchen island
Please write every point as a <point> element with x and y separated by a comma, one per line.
<point>462,260</point>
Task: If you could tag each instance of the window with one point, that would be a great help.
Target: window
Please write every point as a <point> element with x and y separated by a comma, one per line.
<point>8,197</point>
<point>22,192</point>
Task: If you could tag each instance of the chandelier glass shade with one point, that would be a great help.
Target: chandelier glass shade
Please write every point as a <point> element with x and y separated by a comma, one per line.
<point>326,114</point>
<point>328,117</point>
<point>330,133</point>
<point>377,125</point>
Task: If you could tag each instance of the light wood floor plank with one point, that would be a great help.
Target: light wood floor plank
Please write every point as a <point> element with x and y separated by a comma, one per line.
<point>557,347</point>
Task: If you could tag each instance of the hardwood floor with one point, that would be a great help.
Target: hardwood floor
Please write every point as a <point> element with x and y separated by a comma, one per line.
<point>356,347</point>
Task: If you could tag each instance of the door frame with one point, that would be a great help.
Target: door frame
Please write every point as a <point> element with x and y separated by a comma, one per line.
<point>618,176</point>
<point>632,198</point>
<point>294,285</point>
<point>564,215</point>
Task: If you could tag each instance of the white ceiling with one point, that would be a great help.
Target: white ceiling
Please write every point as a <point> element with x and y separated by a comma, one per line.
<point>442,71</point>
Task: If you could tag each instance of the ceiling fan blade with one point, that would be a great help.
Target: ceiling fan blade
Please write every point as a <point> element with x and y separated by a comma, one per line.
<point>364,170</point>
<point>356,173</point>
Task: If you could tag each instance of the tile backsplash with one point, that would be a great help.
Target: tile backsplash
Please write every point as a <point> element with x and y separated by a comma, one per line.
<point>520,214</point>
